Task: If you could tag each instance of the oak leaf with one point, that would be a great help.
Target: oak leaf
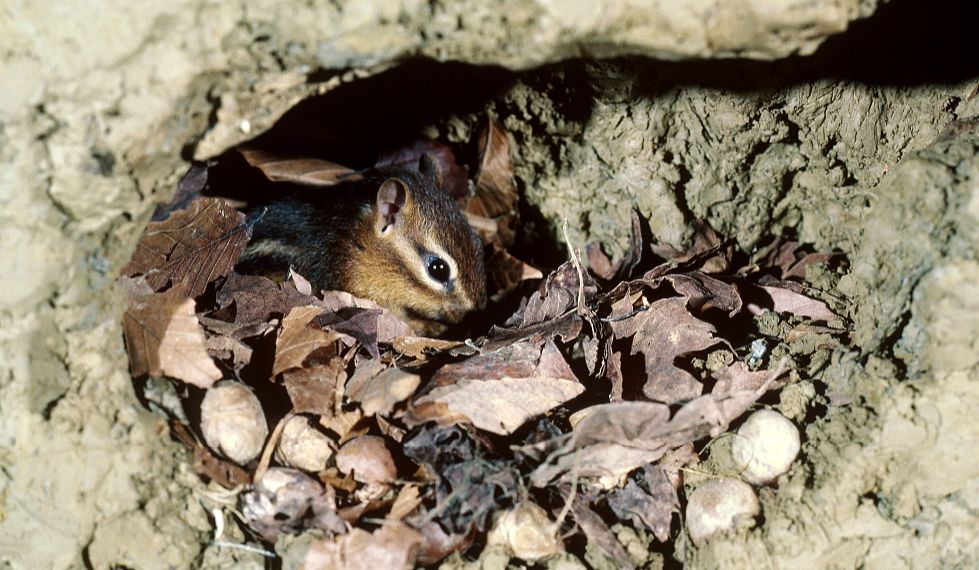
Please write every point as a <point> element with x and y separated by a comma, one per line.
<point>191,247</point>
<point>163,336</point>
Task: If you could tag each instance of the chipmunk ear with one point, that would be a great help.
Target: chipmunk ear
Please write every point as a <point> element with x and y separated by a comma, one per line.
<point>429,166</point>
<point>391,198</point>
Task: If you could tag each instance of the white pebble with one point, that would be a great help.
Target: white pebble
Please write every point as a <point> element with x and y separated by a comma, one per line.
<point>233,422</point>
<point>304,447</point>
<point>766,445</point>
<point>719,505</point>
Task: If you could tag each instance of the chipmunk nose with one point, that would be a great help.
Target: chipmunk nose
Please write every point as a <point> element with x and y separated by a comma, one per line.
<point>455,312</point>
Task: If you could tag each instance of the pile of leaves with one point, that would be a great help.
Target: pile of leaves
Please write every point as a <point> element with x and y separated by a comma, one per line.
<point>575,412</point>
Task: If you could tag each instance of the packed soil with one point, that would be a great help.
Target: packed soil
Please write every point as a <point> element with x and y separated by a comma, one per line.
<point>866,147</point>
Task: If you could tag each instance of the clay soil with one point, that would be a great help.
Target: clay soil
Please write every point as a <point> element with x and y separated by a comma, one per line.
<point>866,145</point>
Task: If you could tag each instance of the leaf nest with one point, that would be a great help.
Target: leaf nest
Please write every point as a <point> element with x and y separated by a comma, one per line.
<point>581,409</point>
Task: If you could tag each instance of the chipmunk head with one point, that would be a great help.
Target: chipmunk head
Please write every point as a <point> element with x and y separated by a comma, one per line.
<point>419,257</point>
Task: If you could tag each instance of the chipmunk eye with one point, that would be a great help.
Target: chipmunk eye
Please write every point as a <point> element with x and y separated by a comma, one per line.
<point>438,269</point>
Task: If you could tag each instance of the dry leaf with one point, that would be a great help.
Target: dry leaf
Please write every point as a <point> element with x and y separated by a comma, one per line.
<point>704,292</point>
<point>497,406</point>
<point>287,501</point>
<point>188,189</point>
<point>299,339</point>
<point>405,503</point>
<point>599,534</point>
<point>378,391</point>
<point>516,360</point>
<point>163,336</point>
<point>206,464</point>
<point>661,333</point>
<point>611,440</point>
<point>651,506</point>
<point>496,192</point>
<point>298,170</point>
<point>391,547</point>
<point>506,272</point>
<point>624,267</point>
<point>419,347</point>
<point>191,248</point>
<point>254,299</point>
<point>782,300</point>
<point>317,389</point>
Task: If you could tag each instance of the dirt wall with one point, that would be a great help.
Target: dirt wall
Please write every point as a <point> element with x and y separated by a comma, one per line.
<point>104,103</point>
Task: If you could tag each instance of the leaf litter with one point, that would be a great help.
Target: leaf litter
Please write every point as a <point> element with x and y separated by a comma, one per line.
<point>583,406</point>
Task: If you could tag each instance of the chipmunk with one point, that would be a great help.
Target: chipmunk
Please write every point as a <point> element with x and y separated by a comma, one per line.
<point>394,237</point>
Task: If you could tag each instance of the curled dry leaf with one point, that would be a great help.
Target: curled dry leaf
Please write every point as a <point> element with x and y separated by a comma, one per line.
<point>368,459</point>
<point>611,440</point>
<point>163,336</point>
<point>191,247</point>
<point>599,534</point>
<point>379,391</point>
<point>649,506</point>
<point>782,300</point>
<point>299,339</point>
<point>498,406</point>
<point>496,192</point>
<point>393,546</point>
<point>287,500</point>
<point>298,170</point>
<point>206,464</point>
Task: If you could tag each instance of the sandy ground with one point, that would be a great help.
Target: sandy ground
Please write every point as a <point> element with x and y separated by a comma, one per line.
<point>868,146</point>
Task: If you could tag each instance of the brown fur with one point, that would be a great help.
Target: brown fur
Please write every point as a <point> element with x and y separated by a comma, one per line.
<point>333,237</point>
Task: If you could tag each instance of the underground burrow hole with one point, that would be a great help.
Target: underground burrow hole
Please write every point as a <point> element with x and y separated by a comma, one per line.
<point>591,401</point>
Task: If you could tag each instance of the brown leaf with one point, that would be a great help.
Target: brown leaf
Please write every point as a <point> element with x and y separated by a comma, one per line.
<point>599,534</point>
<point>299,339</point>
<point>650,506</point>
<point>611,440</point>
<point>557,295</point>
<point>496,192</point>
<point>315,390</point>
<point>206,464</point>
<point>737,377</point>
<point>393,546</point>
<point>191,247</point>
<point>368,459</point>
<point>498,406</point>
<point>782,300</point>
<point>405,503</point>
<point>419,347</point>
<point>438,544</point>
<point>663,332</point>
<point>517,360</point>
<point>254,299</point>
<point>298,170</point>
<point>188,189</point>
<point>703,292</point>
<point>623,268</point>
<point>798,270</point>
<point>379,391</point>
<point>506,272</point>
<point>389,327</point>
<point>163,336</point>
